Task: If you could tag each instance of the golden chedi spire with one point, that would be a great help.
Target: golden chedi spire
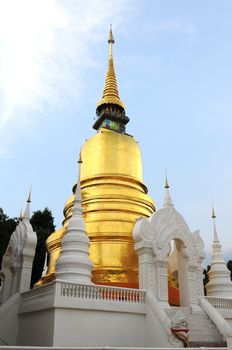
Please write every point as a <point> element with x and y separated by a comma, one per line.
<point>113,194</point>
<point>110,92</point>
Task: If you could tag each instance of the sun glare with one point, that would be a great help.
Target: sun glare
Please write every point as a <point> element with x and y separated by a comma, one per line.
<point>27,30</point>
<point>45,46</point>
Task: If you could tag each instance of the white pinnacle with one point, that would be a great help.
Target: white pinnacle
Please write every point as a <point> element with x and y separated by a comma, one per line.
<point>74,264</point>
<point>215,235</point>
<point>167,196</point>
<point>219,284</point>
<point>26,215</point>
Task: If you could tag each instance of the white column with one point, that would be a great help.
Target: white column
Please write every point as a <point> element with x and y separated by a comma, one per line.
<point>146,265</point>
<point>193,285</point>
<point>162,281</point>
<point>183,278</point>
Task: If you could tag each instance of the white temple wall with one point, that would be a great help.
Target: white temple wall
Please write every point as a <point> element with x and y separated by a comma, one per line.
<point>76,327</point>
<point>101,328</point>
<point>37,328</point>
<point>9,321</point>
<point>69,314</point>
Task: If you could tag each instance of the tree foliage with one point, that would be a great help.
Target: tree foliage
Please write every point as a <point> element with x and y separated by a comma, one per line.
<point>229,266</point>
<point>7,226</point>
<point>206,277</point>
<point>43,224</point>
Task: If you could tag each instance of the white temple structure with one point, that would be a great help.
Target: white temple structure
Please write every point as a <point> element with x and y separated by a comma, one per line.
<point>153,237</point>
<point>18,259</point>
<point>219,284</point>
<point>168,309</point>
<point>74,264</point>
<point>65,310</point>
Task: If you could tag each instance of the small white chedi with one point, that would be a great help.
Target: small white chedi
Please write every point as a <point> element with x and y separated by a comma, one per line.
<point>219,284</point>
<point>74,264</point>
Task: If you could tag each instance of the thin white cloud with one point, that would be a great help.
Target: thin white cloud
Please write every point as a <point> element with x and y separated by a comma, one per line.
<point>175,25</point>
<point>41,43</point>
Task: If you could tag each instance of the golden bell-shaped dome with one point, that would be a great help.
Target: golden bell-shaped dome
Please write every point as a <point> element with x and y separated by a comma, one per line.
<point>113,193</point>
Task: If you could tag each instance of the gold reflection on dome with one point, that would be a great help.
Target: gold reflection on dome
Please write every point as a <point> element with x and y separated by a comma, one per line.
<point>113,196</point>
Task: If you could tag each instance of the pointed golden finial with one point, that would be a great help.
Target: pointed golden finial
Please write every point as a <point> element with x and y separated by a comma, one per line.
<point>21,213</point>
<point>166,179</point>
<point>110,92</point>
<point>213,213</point>
<point>111,40</point>
<point>29,197</point>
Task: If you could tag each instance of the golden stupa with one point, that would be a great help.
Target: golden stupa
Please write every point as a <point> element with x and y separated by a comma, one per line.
<point>113,193</point>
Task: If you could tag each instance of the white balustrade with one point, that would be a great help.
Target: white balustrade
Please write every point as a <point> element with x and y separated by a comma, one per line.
<point>215,315</point>
<point>220,303</point>
<point>96,292</point>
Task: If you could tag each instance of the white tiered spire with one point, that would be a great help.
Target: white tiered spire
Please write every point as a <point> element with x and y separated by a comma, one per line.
<point>26,215</point>
<point>219,284</point>
<point>215,235</point>
<point>167,196</point>
<point>74,264</point>
<point>21,214</point>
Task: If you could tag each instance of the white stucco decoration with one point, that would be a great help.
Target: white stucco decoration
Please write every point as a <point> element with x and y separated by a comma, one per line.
<point>179,320</point>
<point>167,197</point>
<point>74,264</point>
<point>18,259</point>
<point>152,242</point>
<point>219,284</point>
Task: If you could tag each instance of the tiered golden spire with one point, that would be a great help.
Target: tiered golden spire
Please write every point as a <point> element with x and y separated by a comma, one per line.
<point>110,92</point>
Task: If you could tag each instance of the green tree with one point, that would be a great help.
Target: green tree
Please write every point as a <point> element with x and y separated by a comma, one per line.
<point>229,266</point>
<point>206,277</point>
<point>7,227</point>
<point>43,224</point>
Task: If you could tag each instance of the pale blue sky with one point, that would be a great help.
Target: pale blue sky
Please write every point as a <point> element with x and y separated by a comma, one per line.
<point>173,61</point>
